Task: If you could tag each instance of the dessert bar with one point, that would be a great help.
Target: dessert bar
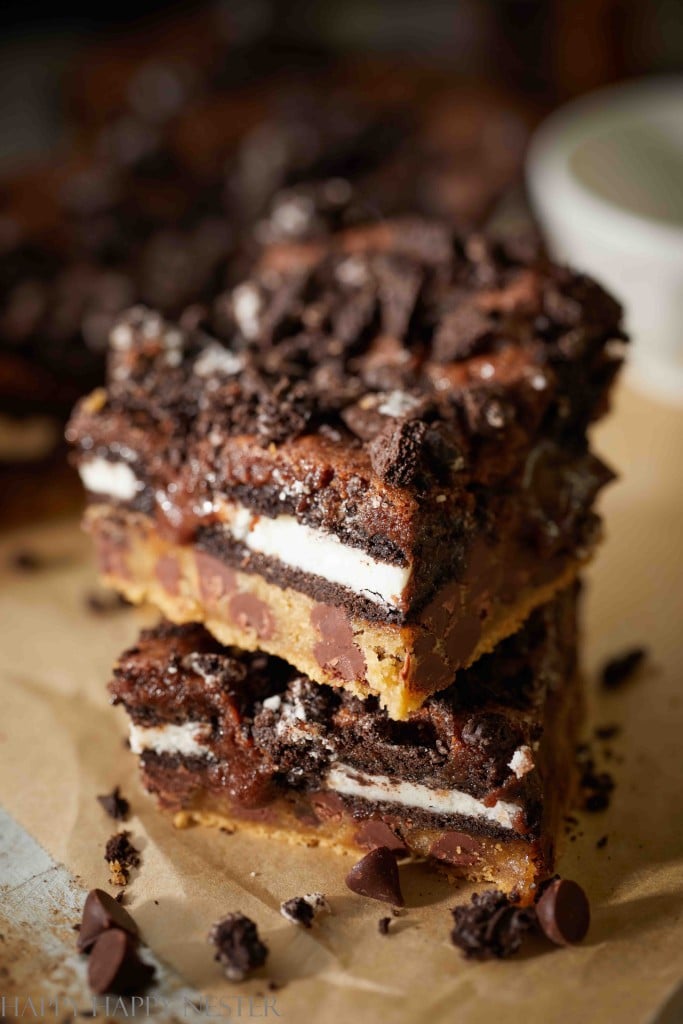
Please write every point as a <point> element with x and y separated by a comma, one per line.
<point>372,464</point>
<point>475,780</point>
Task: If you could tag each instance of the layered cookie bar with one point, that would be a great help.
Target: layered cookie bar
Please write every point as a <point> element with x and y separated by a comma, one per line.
<point>476,780</point>
<point>373,465</point>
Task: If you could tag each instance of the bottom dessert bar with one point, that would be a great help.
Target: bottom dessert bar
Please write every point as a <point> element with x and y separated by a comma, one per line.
<point>476,780</point>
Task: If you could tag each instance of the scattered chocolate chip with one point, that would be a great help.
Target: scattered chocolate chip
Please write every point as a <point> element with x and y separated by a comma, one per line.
<point>26,561</point>
<point>602,842</point>
<point>101,912</point>
<point>490,926</point>
<point>618,670</point>
<point>115,966</point>
<point>376,876</point>
<point>304,909</point>
<point>563,912</point>
<point>114,804</point>
<point>121,855</point>
<point>383,925</point>
<point>238,947</point>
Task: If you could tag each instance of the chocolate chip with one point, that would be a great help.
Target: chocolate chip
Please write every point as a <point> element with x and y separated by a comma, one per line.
<point>102,912</point>
<point>115,966</point>
<point>602,842</point>
<point>456,848</point>
<point>374,833</point>
<point>618,670</point>
<point>238,947</point>
<point>26,561</point>
<point>491,925</point>
<point>376,876</point>
<point>383,925</point>
<point>563,912</point>
<point>114,804</point>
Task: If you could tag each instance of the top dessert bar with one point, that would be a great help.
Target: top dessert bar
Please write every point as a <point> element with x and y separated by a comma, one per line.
<point>370,458</point>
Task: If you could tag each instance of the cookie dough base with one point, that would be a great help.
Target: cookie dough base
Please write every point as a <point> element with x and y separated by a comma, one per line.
<point>400,664</point>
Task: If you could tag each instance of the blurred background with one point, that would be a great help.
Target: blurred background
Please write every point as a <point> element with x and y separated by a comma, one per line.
<point>147,152</point>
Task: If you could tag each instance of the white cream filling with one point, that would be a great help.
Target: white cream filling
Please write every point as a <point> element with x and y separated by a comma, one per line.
<point>321,554</point>
<point>349,782</point>
<point>294,544</point>
<point>115,479</point>
<point>186,739</point>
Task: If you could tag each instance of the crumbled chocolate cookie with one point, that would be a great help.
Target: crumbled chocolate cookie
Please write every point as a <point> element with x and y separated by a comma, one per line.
<point>114,804</point>
<point>396,452</point>
<point>121,856</point>
<point>238,947</point>
<point>491,926</point>
<point>622,667</point>
<point>304,909</point>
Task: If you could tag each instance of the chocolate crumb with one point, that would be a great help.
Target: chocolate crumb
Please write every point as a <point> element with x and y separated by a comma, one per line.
<point>618,670</point>
<point>607,732</point>
<point>602,842</point>
<point>121,855</point>
<point>383,925</point>
<point>304,909</point>
<point>238,947</point>
<point>490,926</point>
<point>114,804</point>
<point>376,876</point>
<point>596,786</point>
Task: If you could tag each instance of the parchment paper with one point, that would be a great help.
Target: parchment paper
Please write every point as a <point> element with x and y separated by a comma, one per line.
<point>61,744</point>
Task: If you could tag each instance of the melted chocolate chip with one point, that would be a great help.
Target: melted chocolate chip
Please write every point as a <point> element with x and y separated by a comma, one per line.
<point>376,876</point>
<point>374,833</point>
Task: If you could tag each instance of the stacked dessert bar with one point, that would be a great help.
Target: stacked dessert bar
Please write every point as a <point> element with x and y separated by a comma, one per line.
<point>358,486</point>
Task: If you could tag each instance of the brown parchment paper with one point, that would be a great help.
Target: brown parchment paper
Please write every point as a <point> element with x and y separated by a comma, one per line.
<point>61,744</point>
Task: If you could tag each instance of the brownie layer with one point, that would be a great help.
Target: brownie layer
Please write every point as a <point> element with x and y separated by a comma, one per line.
<point>401,664</point>
<point>245,737</point>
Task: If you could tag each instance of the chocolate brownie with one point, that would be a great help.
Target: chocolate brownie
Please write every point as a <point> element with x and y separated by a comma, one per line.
<point>469,773</point>
<point>387,440</point>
